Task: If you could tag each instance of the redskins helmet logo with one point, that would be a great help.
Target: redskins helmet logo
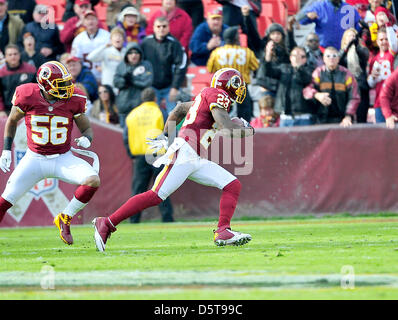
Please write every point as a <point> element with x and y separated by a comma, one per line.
<point>235,82</point>
<point>45,73</point>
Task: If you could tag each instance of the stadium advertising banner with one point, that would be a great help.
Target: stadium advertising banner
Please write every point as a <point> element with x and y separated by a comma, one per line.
<point>284,171</point>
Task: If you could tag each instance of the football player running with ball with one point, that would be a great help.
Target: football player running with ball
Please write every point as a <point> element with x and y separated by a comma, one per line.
<point>49,107</point>
<point>206,115</point>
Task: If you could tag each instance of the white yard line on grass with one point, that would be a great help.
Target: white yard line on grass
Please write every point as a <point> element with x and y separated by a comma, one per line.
<point>186,278</point>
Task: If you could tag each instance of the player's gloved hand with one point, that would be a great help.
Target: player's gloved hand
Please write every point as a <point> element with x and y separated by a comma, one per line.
<point>246,124</point>
<point>83,142</point>
<point>5,160</point>
<point>158,143</point>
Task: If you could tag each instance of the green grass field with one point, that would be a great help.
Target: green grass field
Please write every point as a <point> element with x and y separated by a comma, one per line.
<point>313,258</point>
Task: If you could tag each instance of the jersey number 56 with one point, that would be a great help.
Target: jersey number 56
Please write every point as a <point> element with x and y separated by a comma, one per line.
<point>47,129</point>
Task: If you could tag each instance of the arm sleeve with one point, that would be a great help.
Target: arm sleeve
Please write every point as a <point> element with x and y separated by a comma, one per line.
<point>17,99</point>
<point>67,33</point>
<point>180,64</point>
<point>392,40</point>
<point>387,94</point>
<point>353,94</point>
<point>197,44</point>
<point>310,90</point>
<point>371,81</point>
<point>2,107</point>
<point>187,33</point>
<point>216,99</point>
<point>119,80</point>
<point>253,37</point>
<point>302,13</point>
<point>312,7</point>
<point>98,54</point>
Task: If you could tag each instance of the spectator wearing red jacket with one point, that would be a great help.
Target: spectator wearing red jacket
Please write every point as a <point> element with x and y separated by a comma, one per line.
<point>389,99</point>
<point>179,21</point>
<point>73,26</point>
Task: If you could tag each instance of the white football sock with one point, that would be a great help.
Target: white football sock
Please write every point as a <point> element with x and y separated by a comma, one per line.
<point>74,207</point>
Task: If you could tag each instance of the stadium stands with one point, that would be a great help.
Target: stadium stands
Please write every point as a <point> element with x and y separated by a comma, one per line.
<point>199,78</point>
<point>59,9</point>
<point>149,8</point>
<point>101,9</point>
<point>150,2</point>
<point>293,6</point>
<point>272,11</point>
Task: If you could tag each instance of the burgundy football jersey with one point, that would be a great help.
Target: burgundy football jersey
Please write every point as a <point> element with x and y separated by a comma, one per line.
<point>199,127</point>
<point>48,126</point>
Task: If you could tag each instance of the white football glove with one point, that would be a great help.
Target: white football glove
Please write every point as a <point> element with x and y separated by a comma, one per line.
<point>83,142</point>
<point>5,160</point>
<point>245,123</point>
<point>158,143</point>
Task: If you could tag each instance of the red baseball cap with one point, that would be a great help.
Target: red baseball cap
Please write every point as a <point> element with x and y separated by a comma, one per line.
<point>215,13</point>
<point>3,1</point>
<point>90,13</point>
<point>72,58</point>
<point>82,2</point>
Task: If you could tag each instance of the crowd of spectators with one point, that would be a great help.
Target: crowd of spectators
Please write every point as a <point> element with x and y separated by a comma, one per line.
<point>133,67</point>
<point>337,75</point>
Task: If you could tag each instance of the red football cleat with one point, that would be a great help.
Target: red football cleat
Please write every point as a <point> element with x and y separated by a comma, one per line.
<point>103,228</point>
<point>229,237</point>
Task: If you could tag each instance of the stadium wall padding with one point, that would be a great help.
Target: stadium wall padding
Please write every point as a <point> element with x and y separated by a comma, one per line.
<point>302,170</point>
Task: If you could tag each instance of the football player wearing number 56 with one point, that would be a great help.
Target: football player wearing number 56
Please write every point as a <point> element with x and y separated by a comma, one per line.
<point>49,107</point>
<point>204,117</point>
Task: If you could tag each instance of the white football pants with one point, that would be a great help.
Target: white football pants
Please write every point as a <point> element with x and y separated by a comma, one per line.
<point>188,165</point>
<point>34,167</point>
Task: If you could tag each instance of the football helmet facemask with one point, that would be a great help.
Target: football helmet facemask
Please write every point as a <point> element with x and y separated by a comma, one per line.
<point>231,81</point>
<point>55,79</point>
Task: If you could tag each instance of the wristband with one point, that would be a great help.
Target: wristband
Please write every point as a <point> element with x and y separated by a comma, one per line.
<point>7,143</point>
<point>89,138</point>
